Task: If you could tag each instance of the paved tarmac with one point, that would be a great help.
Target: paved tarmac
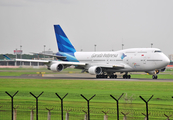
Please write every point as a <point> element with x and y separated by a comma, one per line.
<point>68,76</point>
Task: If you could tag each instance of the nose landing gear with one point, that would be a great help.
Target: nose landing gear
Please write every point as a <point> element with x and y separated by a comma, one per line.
<point>154,77</point>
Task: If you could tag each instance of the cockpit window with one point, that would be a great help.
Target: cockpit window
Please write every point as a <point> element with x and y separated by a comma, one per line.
<point>157,51</point>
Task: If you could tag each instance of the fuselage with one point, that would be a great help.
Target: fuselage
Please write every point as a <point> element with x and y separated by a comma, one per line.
<point>135,59</point>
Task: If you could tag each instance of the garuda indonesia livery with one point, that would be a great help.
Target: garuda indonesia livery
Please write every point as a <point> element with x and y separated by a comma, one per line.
<point>106,64</point>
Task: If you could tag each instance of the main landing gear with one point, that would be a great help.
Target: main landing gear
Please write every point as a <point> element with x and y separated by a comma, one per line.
<point>112,75</point>
<point>106,76</point>
<point>126,76</point>
<point>101,76</point>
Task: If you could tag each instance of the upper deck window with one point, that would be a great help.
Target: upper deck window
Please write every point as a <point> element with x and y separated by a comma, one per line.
<point>157,51</point>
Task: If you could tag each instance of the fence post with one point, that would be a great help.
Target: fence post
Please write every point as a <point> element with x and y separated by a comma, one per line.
<point>105,116</point>
<point>88,104</point>
<point>15,113</point>
<point>61,104</point>
<point>67,114</point>
<point>146,105</point>
<point>32,113</point>
<point>49,114</point>
<point>125,115</point>
<point>145,116</point>
<point>11,102</point>
<point>36,103</point>
<point>117,104</point>
<point>86,115</point>
<point>167,116</point>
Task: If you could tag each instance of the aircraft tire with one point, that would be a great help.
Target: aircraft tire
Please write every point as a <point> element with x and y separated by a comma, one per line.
<point>126,76</point>
<point>113,76</point>
<point>154,77</point>
<point>101,76</point>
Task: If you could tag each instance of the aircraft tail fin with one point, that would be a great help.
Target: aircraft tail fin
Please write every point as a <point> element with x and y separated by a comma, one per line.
<point>64,44</point>
<point>6,57</point>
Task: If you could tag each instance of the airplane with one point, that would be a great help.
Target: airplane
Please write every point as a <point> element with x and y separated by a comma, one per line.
<point>106,64</point>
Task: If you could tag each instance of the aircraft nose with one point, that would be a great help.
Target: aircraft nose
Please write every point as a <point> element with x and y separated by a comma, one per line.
<point>166,60</point>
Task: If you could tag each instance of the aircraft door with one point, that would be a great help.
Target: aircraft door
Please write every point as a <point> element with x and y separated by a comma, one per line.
<point>144,60</point>
<point>107,61</point>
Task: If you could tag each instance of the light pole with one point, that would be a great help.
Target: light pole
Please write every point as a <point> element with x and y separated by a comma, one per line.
<point>21,51</point>
<point>20,54</point>
<point>122,46</point>
<point>44,50</point>
<point>95,47</point>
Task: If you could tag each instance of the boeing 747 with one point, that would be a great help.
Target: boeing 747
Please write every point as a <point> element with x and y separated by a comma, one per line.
<point>106,64</point>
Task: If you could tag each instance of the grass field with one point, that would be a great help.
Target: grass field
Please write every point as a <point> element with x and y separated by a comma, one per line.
<point>160,104</point>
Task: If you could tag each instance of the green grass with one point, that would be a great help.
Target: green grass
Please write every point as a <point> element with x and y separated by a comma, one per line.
<point>160,104</point>
<point>160,76</point>
<point>162,92</point>
<point>22,71</point>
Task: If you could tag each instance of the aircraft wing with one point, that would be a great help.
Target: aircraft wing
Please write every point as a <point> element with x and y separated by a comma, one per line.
<point>57,56</point>
<point>29,60</point>
<point>68,63</point>
<point>52,62</point>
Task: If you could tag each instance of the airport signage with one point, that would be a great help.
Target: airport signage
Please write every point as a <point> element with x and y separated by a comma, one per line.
<point>16,52</point>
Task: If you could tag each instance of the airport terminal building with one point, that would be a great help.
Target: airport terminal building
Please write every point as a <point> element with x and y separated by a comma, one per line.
<point>12,62</point>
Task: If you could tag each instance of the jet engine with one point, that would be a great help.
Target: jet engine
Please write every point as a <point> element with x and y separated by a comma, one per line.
<point>94,70</point>
<point>151,72</point>
<point>162,70</point>
<point>56,67</point>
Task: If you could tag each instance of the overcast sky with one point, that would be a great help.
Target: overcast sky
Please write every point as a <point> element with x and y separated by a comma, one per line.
<point>106,23</point>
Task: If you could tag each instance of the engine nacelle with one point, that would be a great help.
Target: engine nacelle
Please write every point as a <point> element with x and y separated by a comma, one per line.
<point>151,72</point>
<point>94,70</point>
<point>156,71</point>
<point>162,70</point>
<point>56,67</point>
